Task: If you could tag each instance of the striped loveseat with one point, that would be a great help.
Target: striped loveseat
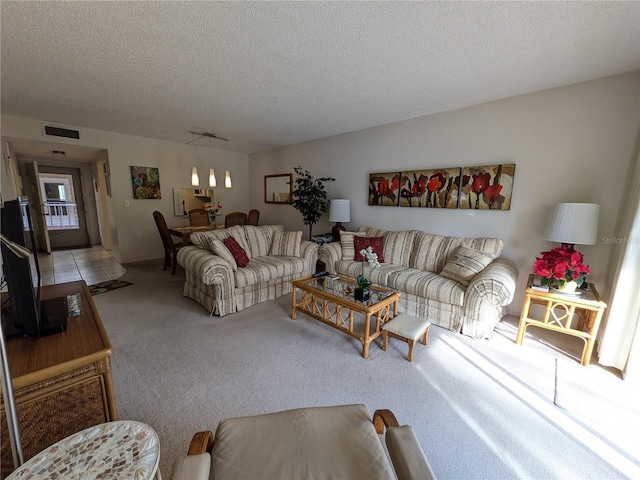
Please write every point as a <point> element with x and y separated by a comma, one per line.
<point>275,257</point>
<point>456,283</point>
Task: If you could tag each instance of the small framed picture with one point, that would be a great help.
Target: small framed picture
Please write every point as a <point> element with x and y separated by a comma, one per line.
<point>146,183</point>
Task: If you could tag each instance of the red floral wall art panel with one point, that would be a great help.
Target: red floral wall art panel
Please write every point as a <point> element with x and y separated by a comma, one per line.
<point>384,189</point>
<point>433,188</point>
<point>487,187</point>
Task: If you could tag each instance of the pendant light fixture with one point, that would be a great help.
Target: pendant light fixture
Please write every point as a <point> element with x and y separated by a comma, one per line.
<point>212,174</point>
<point>195,181</point>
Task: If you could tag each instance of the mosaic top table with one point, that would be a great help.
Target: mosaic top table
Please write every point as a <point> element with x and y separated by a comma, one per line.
<point>559,312</point>
<point>330,300</point>
<point>113,450</point>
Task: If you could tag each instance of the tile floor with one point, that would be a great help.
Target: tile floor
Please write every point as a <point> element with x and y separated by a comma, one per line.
<point>93,265</point>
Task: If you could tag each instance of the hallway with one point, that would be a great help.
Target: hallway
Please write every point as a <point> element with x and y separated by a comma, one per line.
<point>93,265</point>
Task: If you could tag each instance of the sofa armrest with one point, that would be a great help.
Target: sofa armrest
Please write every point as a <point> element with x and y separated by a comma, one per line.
<point>309,251</point>
<point>406,455</point>
<point>192,467</point>
<point>196,465</point>
<point>495,286</point>
<point>202,442</point>
<point>329,254</point>
<point>206,266</point>
<point>384,418</point>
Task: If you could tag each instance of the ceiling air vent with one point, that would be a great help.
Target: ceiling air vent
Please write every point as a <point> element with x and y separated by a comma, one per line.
<point>60,131</point>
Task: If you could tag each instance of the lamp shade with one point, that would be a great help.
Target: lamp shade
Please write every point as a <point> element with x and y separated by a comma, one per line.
<point>339,211</point>
<point>195,181</point>
<point>573,223</point>
<point>227,179</point>
<point>212,178</point>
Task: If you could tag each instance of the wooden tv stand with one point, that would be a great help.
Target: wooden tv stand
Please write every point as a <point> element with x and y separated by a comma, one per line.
<point>62,382</point>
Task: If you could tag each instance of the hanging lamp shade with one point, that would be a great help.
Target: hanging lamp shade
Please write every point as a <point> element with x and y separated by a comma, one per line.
<point>212,178</point>
<point>227,179</point>
<point>195,181</point>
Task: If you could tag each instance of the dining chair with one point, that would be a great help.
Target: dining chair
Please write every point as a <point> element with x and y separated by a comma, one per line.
<point>235,218</point>
<point>198,217</point>
<point>170,248</point>
<point>252,218</point>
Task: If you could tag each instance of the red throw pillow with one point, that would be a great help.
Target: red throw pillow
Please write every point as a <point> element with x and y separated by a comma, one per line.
<point>377,243</point>
<point>237,251</point>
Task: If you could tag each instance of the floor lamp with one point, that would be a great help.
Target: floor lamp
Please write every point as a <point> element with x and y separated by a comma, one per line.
<point>5,373</point>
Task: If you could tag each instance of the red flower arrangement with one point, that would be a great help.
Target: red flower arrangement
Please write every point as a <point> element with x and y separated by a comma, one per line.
<point>212,209</point>
<point>561,265</point>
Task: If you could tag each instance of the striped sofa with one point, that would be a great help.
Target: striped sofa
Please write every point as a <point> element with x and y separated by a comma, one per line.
<point>216,282</point>
<point>425,269</point>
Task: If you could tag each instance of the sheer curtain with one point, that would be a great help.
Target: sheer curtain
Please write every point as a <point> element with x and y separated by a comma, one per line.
<point>617,345</point>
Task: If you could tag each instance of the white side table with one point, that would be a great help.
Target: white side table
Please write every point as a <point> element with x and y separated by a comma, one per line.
<point>113,450</point>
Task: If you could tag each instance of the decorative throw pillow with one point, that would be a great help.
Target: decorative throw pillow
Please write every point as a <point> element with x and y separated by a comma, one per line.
<point>286,244</point>
<point>377,243</point>
<point>398,247</point>
<point>259,239</point>
<point>465,264</point>
<point>348,248</point>
<point>219,248</point>
<point>237,251</point>
<point>237,232</point>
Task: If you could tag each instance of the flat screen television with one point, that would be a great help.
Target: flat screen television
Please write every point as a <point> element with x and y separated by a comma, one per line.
<point>28,315</point>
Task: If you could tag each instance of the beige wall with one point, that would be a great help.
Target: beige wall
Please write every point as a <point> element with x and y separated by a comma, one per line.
<point>569,144</point>
<point>134,234</point>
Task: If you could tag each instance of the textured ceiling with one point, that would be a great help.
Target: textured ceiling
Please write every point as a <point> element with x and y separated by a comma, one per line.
<point>265,74</point>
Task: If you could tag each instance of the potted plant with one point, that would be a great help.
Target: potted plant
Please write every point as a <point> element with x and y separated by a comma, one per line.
<point>562,268</point>
<point>362,292</point>
<point>310,197</point>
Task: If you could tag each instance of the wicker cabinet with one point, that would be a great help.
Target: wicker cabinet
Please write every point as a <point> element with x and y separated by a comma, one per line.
<point>62,382</point>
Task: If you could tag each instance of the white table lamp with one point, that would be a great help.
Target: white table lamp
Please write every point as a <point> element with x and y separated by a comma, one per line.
<point>339,212</point>
<point>573,223</point>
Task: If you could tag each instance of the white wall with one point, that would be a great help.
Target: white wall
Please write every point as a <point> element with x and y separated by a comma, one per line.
<point>569,144</point>
<point>135,235</point>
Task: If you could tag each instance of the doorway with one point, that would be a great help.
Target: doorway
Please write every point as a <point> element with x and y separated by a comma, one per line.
<point>63,205</point>
<point>78,178</point>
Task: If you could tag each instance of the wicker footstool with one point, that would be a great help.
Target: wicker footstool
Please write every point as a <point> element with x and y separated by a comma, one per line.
<point>406,328</point>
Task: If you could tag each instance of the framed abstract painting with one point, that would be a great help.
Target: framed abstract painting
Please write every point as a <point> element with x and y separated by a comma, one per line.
<point>383,189</point>
<point>145,182</point>
<point>487,187</point>
<point>432,188</point>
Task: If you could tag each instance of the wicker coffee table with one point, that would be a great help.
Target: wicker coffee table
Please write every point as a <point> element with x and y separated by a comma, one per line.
<point>331,301</point>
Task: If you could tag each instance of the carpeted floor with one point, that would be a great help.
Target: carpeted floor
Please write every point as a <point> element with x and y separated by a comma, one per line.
<point>481,409</point>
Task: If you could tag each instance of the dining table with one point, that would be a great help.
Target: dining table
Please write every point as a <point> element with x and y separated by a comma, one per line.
<point>184,232</point>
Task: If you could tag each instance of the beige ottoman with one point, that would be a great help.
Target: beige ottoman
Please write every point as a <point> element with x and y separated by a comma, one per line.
<point>406,328</point>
